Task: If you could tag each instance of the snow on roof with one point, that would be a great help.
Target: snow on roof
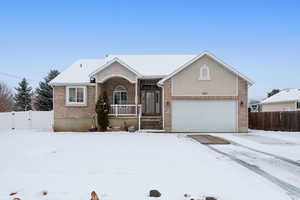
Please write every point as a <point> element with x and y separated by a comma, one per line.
<point>284,96</point>
<point>78,72</point>
<point>154,65</point>
<point>145,66</point>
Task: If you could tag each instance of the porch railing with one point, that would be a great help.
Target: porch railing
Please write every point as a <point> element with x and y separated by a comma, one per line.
<point>124,110</point>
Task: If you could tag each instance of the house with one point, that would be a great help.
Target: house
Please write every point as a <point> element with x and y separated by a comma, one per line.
<point>285,100</point>
<point>171,93</point>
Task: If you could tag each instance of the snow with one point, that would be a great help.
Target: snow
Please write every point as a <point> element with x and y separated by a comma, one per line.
<point>275,153</point>
<point>78,72</point>
<point>120,166</point>
<point>284,96</point>
<point>285,144</point>
<point>154,65</point>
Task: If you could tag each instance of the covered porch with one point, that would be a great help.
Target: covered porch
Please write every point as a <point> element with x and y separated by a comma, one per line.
<point>132,104</point>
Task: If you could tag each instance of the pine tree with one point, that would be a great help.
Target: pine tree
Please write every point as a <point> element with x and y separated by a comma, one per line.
<point>102,109</point>
<point>44,96</point>
<point>23,96</point>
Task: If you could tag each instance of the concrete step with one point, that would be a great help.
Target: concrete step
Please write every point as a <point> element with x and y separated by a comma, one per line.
<point>151,123</point>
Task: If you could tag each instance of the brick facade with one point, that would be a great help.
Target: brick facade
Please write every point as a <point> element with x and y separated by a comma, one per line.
<point>243,106</point>
<point>167,92</point>
<point>73,118</point>
<point>63,111</point>
<point>110,85</point>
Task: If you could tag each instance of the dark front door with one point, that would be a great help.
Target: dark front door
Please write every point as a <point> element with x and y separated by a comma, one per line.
<point>151,102</point>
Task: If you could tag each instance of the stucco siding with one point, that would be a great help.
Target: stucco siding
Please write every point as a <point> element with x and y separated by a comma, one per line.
<point>283,106</point>
<point>222,82</point>
<point>115,69</point>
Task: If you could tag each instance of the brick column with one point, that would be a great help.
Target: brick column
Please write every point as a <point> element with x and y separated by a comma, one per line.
<point>167,105</point>
<point>243,106</point>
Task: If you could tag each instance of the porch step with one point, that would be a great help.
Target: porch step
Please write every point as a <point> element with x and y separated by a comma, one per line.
<point>150,122</point>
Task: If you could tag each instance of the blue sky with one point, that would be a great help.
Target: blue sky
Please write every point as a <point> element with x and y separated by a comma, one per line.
<point>259,38</point>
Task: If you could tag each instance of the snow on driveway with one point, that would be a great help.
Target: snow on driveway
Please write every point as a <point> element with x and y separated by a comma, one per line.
<point>260,152</point>
<point>121,166</point>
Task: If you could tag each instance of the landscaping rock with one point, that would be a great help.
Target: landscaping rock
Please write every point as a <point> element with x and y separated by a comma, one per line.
<point>210,198</point>
<point>154,193</point>
<point>94,196</point>
<point>13,193</point>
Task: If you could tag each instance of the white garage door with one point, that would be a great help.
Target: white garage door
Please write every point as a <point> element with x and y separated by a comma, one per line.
<point>204,116</point>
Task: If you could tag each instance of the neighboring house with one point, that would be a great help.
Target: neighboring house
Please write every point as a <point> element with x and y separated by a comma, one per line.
<point>173,93</point>
<point>285,100</point>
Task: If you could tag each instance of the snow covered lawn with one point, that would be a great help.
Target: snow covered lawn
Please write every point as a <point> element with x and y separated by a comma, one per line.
<point>121,166</point>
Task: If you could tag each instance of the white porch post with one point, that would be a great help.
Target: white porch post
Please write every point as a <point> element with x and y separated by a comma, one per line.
<point>136,91</point>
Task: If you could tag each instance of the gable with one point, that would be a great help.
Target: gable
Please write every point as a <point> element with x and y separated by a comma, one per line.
<point>115,69</point>
<point>205,53</point>
<point>222,82</point>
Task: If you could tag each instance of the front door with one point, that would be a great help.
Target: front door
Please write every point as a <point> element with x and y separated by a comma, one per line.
<point>150,102</point>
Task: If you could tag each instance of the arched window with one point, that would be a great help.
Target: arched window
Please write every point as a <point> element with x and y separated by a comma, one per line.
<point>204,73</point>
<point>120,95</point>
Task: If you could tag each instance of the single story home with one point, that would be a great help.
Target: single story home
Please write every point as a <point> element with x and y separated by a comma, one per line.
<point>171,93</point>
<point>285,100</point>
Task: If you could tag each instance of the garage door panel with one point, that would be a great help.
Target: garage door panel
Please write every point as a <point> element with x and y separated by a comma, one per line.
<point>204,116</point>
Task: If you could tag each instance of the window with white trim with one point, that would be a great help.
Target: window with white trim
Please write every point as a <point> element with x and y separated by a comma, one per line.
<point>204,73</point>
<point>298,104</point>
<point>120,95</point>
<point>76,95</point>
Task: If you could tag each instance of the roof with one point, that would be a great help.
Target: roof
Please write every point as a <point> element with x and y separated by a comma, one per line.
<point>78,72</point>
<point>144,66</point>
<point>206,53</point>
<point>154,65</point>
<point>284,96</point>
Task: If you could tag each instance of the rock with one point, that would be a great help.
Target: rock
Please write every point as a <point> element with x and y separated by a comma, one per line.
<point>210,198</point>
<point>131,128</point>
<point>94,196</point>
<point>13,193</point>
<point>154,193</point>
<point>187,196</point>
<point>44,193</point>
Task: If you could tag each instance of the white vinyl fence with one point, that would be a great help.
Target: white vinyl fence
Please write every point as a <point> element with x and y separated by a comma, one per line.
<point>26,120</point>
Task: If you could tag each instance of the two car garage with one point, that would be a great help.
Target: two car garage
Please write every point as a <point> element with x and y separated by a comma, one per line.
<point>204,116</point>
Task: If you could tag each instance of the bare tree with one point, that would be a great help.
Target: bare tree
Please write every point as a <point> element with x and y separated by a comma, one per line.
<point>6,98</point>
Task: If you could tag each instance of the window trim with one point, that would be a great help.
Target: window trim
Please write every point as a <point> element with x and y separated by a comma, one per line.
<point>68,103</point>
<point>201,76</point>
<point>123,90</point>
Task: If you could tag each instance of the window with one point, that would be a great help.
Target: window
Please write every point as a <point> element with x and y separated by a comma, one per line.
<point>76,95</point>
<point>298,104</point>
<point>120,95</point>
<point>204,73</point>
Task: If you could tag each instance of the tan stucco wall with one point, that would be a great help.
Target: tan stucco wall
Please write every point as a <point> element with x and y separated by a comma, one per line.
<point>242,101</point>
<point>222,83</point>
<point>283,106</point>
<point>115,69</point>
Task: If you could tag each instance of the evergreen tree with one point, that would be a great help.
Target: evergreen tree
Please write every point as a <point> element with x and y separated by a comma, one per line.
<point>44,96</point>
<point>23,96</point>
<point>273,92</point>
<point>102,109</point>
